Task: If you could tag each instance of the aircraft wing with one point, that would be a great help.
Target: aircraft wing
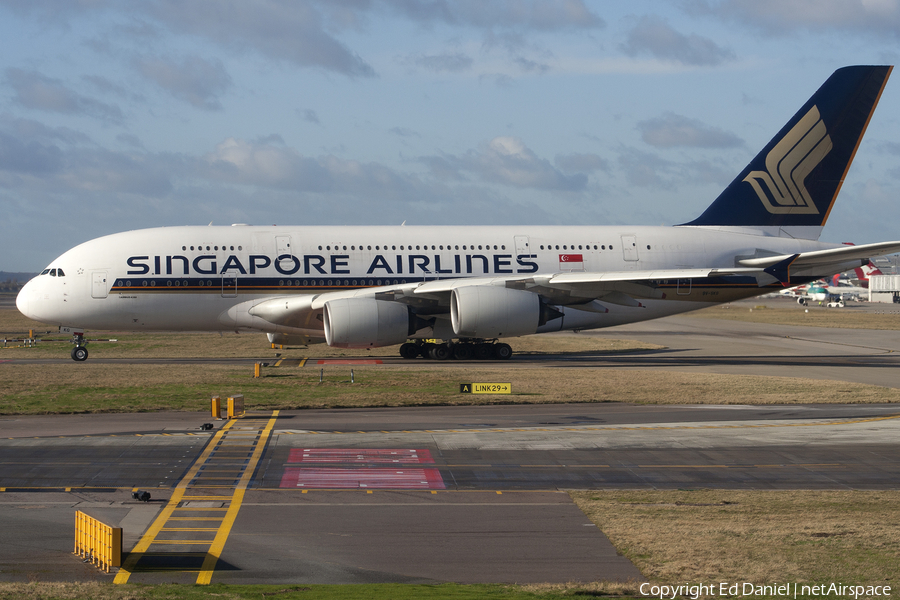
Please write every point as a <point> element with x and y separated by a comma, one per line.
<point>581,288</point>
<point>833,259</point>
<point>623,288</point>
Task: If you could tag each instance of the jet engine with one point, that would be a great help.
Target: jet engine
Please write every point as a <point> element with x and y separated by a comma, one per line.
<point>367,323</point>
<point>482,311</point>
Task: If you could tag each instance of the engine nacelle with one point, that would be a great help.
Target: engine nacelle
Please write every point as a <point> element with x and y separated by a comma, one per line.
<point>367,323</point>
<point>486,311</point>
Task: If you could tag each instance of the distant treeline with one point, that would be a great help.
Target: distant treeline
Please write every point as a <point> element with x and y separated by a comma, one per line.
<point>13,282</point>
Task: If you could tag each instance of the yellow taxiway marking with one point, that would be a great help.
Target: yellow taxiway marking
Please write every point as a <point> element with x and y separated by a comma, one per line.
<point>190,481</point>
<point>148,538</point>
<point>218,544</point>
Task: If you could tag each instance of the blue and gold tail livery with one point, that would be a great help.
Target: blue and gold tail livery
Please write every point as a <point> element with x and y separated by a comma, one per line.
<point>794,180</point>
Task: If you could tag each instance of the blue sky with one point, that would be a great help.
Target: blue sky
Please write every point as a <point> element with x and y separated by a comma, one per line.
<point>121,115</point>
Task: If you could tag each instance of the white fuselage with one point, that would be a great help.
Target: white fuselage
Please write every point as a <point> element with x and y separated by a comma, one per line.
<point>192,278</point>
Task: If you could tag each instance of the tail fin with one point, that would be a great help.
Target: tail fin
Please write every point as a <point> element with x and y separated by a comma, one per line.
<point>795,179</point>
<point>864,272</point>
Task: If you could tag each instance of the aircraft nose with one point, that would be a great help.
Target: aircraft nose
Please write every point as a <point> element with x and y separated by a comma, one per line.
<point>23,299</point>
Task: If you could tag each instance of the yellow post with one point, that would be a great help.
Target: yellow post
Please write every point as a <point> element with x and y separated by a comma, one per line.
<point>235,406</point>
<point>257,370</point>
<point>217,407</point>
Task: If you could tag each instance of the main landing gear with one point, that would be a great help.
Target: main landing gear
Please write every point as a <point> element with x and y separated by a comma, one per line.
<point>79,352</point>
<point>461,350</point>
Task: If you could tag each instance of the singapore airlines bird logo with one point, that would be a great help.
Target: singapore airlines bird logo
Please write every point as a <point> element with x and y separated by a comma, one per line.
<point>789,163</point>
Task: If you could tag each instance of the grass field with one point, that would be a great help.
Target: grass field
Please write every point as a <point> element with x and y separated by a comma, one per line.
<point>72,387</point>
<point>88,591</point>
<point>682,536</point>
<point>81,388</point>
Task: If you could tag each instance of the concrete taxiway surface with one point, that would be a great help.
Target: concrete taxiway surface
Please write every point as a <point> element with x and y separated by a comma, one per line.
<point>442,493</point>
<point>464,494</point>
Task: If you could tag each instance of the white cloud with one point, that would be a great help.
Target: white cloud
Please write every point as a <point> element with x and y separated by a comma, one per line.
<point>38,92</point>
<point>28,157</point>
<point>506,161</point>
<point>779,17</point>
<point>652,35</point>
<point>535,15</point>
<point>671,130</point>
<point>284,30</point>
<point>580,163</point>
<point>268,163</point>
<point>309,115</point>
<point>454,62</point>
<point>193,79</point>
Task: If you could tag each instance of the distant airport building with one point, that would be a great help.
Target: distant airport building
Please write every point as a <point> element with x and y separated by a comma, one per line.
<point>884,288</point>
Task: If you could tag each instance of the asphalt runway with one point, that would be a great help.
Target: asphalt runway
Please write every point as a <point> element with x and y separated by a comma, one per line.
<point>467,494</point>
<point>432,494</point>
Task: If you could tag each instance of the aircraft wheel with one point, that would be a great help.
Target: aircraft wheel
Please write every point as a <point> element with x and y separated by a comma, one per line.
<point>484,351</point>
<point>463,351</point>
<point>79,353</point>
<point>409,351</point>
<point>440,352</point>
<point>503,351</point>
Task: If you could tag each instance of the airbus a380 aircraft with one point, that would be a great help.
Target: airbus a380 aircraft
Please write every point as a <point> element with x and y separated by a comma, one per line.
<point>365,287</point>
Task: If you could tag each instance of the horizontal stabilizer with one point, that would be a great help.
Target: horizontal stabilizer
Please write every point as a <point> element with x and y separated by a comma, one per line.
<point>826,257</point>
<point>833,259</point>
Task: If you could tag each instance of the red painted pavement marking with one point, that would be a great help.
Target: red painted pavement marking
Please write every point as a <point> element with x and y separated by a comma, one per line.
<point>391,479</point>
<point>358,456</point>
<point>350,361</point>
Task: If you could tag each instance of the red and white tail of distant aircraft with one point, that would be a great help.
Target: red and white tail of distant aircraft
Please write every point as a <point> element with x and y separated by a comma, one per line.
<point>471,286</point>
<point>863,273</point>
<point>853,288</point>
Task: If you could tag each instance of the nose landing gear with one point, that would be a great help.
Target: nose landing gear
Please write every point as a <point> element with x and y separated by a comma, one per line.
<point>79,352</point>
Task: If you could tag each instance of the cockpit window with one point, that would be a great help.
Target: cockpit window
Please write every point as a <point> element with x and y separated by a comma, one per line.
<point>59,273</point>
<point>45,271</point>
<point>52,272</point>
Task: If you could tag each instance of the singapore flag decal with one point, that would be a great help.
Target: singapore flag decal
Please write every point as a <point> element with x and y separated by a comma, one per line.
<point>571,262</point>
